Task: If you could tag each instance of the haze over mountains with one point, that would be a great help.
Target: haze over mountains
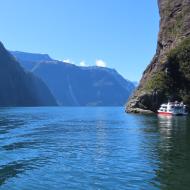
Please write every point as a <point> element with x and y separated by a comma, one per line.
<point>72,85</point>
<point>21,88</point>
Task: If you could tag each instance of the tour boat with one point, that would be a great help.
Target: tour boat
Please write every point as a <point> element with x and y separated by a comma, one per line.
<point>173,108</point>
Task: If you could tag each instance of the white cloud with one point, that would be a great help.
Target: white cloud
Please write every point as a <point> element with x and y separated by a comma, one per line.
<point>100,63</point>
<point>67,61</point>
<point>83,64</point>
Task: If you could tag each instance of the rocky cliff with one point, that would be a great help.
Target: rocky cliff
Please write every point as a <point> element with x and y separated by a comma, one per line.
<point>168,75</point>
<point>18,87</point>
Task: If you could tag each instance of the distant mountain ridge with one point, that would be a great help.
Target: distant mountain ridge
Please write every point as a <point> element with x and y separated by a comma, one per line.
<point>32,57</point>
<point>78,86</point>
<point>18,87</point>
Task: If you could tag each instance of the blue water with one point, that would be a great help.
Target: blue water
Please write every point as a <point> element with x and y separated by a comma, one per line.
<point>92,148</point>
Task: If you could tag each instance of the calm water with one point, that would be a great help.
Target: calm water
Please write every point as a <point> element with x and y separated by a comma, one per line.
<point>92,148</point>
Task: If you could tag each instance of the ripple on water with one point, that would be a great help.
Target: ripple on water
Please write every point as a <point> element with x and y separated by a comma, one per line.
<point>92,148</point>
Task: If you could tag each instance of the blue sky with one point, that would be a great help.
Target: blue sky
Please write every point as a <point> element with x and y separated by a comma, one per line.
<point>120,33</point>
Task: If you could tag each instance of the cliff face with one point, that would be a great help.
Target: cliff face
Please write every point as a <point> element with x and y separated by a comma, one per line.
<point>20,88</point>
<point>168,75</point>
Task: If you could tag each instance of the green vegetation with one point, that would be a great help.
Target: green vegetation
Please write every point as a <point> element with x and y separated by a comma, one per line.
<point>174,28</point>
<point>158,81</point>
<point>179,66</point>
<point>179,59</point>
<point>173,81</point>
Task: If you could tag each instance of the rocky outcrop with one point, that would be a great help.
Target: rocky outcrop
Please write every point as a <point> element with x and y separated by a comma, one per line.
<point>18,87</point>
<point>168,75</point>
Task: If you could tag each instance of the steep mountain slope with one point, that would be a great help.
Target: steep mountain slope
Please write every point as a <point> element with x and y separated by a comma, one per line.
<point>80,86</point>
<point>20,88</point>
<point>168,75</point>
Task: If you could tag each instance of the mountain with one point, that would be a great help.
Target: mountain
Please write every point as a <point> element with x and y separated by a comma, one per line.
<point>135,83</point>
<point>79,86</point>
<point>18,87</point>
<point>168,75</point>
<point>31,57</point>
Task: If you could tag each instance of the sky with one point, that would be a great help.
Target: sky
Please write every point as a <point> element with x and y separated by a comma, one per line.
<point>119,34</point>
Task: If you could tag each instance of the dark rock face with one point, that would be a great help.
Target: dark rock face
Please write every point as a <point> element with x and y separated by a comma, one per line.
<point>166,78</point>
<point>20,88</point>
<point>81,86</point>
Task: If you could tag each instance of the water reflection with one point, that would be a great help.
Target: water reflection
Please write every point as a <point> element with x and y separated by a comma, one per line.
<point>169,121</point>
<point>174,153</point>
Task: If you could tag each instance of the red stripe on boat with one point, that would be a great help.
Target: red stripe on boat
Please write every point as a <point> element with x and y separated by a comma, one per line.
<point>164,113</point>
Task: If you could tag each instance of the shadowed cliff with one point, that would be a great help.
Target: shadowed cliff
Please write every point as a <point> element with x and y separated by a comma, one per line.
<point>20,88</point>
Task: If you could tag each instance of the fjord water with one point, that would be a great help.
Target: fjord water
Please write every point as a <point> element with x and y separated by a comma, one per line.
<point>92,148</point>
